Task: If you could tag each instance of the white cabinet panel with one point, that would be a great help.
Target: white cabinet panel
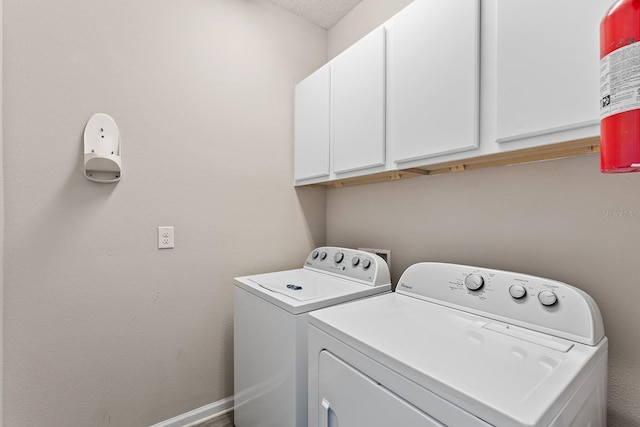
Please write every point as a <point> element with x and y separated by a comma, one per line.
<point>312,121</point>
<point>433,81</point>
<point>357,105</point>
<point>548,68</point>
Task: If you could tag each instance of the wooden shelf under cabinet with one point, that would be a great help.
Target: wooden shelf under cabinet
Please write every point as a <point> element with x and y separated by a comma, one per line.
<point>548,152</point>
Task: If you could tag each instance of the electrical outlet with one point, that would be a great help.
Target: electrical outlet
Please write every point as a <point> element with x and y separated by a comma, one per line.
<point>165,237</point>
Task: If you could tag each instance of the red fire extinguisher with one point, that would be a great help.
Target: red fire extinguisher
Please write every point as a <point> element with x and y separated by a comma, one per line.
<point>620,88</point>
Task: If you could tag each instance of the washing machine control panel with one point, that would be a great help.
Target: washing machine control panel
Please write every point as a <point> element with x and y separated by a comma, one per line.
<point>533,302</point>
<point>352,264</point>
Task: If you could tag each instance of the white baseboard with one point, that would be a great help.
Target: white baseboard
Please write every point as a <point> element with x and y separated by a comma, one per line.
<point>200,414</point>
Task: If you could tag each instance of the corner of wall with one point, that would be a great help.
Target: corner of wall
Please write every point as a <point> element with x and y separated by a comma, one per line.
<point>1,232</point>
<point>363,18</point>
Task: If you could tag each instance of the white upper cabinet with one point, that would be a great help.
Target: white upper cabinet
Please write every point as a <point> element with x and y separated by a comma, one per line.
<point>437,85</point>
<point>433,80</point>
<point>357,105</point>
<point>548,69</point>
<point>312,124</point>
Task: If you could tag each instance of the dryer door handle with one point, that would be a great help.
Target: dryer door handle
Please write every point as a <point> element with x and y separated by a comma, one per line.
<point>328,417</point>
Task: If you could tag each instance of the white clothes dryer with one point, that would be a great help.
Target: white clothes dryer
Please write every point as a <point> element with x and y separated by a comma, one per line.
<point>460,346</point>
<point>270,330</point>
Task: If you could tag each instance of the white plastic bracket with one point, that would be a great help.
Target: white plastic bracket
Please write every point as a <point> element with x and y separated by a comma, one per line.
<point>102,153</point>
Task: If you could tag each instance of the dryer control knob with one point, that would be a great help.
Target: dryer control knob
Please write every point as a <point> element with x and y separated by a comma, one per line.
<point>314,254</point>
<point>338,257</point>
<point>366,263</point>
<point>355,261</point>
<point>547,298</point>
<point>474,282</point>
<point>517,291</point>
<point>323,255</point>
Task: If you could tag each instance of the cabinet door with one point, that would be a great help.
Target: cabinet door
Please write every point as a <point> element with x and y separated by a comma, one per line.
<point>548,68</point>
<point>312,126</point>
<point>433,81</point>
<point>358,91</point>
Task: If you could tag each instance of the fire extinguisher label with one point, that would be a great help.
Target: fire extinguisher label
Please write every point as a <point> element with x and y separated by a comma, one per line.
<point>620,81</point>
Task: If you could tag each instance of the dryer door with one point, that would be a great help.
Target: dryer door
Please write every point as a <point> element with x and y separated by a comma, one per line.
<point>349,399</point>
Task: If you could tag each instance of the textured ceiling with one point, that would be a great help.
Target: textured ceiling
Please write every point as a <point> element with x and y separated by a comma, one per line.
<point>324,13</point>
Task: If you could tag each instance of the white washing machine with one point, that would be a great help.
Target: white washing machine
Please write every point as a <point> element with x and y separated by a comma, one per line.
<point>271,312</point>
<point>460,346</point>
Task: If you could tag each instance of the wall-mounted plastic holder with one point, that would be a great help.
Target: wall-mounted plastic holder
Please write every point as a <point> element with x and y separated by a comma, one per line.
<point>102,152</point>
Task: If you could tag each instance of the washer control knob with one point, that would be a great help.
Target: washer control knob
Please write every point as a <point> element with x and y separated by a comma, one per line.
<point>366,263</point>
<point>474,282</point>
<point>314,254</point>
<point>323,255</point>
<point>517,291</point>
<point>338,257</point>
<point>355,261</point>
<point>547,298</point>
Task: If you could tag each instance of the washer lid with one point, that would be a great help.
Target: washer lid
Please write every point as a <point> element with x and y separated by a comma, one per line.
<point>504,378</point>
<point>297,284</point>
<point>302,290</point>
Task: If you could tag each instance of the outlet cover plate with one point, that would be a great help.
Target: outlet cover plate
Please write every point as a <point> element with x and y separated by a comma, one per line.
<point>165,238</point>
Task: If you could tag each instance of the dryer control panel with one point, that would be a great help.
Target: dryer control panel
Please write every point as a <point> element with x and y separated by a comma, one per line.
<point>535,303</point>
<point>353,264</point>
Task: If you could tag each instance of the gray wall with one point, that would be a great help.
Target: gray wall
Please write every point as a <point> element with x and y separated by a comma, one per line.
<point>1,228</point>
<point>101,328</point>
<point>560,219</point>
